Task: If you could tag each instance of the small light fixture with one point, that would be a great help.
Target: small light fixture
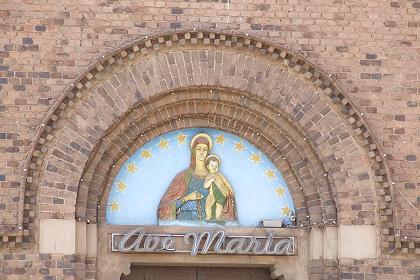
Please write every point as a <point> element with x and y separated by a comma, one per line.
<point>272,223</point>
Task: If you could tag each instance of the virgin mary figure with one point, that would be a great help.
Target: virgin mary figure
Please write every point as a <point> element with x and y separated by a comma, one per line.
<point>185,197</point>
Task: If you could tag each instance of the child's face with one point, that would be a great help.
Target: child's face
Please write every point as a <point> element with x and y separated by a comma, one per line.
<point>213,166</point>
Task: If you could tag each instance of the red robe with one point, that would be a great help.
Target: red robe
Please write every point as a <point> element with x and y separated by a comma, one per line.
<point>175,191</point>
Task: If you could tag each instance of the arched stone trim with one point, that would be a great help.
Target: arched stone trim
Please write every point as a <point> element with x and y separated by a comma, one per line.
<point>292,154</point>
<point>262,51</point>
<point>304,217</point>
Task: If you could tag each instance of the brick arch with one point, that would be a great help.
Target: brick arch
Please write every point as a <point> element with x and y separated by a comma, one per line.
<point>304,93</point>
<point>273,134</point>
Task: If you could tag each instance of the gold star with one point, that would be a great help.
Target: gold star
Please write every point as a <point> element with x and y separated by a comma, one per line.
<point>163,144</point>
<point>239,146</point>
<point>285,210</point>
<point>182,138</point>
<point>131,168</point>
<point>255,158</point>
<point>220,139</point>
<point>115,206</point>
<point>146,154</point>
<point>280,191</point>
<point>270,174</point>
<point>121,186</point>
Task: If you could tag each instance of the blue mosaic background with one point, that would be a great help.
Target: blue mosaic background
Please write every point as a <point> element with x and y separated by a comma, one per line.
<point>260,191</point>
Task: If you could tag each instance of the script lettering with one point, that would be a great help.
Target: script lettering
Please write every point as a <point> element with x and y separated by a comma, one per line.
<point>235,246</point>
<point>167,243</point>
<point>136,244</point>
<point>203,243</point>
<point>209,241</point>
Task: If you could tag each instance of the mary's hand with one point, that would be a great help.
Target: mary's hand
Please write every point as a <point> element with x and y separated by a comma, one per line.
<point>193,196</point>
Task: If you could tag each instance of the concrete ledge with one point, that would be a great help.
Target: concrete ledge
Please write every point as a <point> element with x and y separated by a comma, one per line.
<point>316,244</point>
<point>323,243</point>
<point>81,238</point>
<point>343,242</point>
<point>357,242</point>
<point>330,243</point>
<point>91,240</point>
<point>57,236</point>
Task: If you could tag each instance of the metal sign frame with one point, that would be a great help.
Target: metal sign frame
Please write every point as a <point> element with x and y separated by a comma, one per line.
<point>204,242</point>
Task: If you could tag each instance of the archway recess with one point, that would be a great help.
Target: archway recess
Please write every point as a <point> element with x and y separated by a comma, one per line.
<point>303,172</point>
<point>132,95</point>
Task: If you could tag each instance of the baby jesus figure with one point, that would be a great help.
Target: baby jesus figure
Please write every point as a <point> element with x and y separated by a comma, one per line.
<point>219,189</point>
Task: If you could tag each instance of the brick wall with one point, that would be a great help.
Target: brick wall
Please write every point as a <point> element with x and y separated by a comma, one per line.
<point>370,48</point>
<point>44,266</point>
<point>407,268</point>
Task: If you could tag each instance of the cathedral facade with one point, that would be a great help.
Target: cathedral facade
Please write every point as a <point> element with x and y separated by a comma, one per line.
<point>273,139</point>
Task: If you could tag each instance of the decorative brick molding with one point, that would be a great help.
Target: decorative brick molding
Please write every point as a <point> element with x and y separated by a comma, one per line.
<point>46,266</point>
<point>402,267</point>
<point>324,269</point>
<point>267,71</point>
<point>216,108</point>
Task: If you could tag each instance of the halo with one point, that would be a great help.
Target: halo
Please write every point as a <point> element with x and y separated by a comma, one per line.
<point>212,156</point>
<point>201,135</point>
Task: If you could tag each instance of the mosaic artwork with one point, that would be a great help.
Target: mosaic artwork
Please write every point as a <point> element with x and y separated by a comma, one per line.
<point>198,176</point>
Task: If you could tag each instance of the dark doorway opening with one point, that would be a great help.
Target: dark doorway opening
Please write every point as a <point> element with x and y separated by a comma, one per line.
<point>197,273</point>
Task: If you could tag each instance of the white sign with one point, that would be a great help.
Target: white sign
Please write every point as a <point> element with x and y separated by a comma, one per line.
<point>218,242</point>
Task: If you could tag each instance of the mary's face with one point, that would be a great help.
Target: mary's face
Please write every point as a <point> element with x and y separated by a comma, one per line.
<point>201,151</point>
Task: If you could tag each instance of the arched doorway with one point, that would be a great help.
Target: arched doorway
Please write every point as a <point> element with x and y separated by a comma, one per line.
<point>197,273</point>
<point>278,101</point>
